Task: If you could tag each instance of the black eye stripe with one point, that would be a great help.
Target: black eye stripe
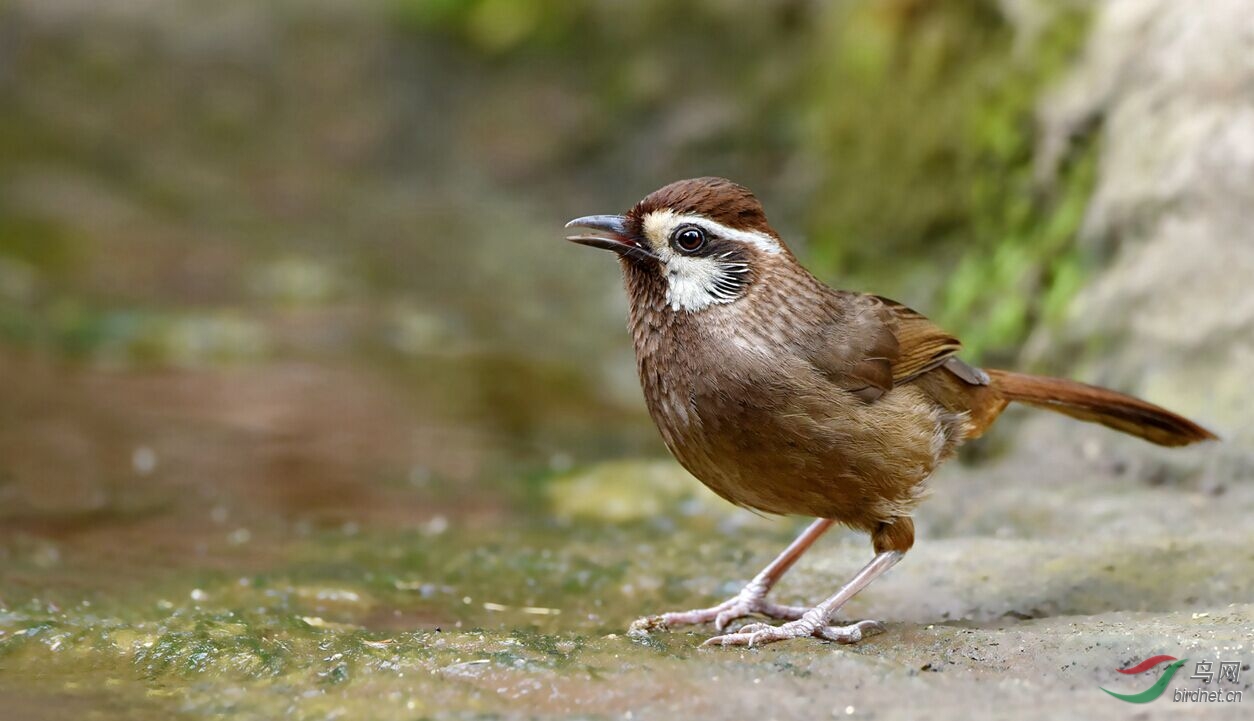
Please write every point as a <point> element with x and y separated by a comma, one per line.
<point>734,273</point>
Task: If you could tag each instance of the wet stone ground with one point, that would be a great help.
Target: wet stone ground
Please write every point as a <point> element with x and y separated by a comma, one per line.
<point>1034,578</point>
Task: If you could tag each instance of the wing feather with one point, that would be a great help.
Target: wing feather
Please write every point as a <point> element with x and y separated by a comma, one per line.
<point>873,344</point>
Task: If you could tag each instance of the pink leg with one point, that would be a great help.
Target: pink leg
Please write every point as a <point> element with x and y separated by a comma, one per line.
<point>752,598</point>
<point>815,621</point>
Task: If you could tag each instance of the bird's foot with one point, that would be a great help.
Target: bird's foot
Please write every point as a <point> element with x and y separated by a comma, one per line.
<point>751,600</point>
<point>759,634</point>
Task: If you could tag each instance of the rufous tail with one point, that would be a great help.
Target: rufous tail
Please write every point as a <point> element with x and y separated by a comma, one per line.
<point>1099,405</point>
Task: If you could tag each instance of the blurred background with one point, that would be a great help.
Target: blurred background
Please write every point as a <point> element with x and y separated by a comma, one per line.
<point>279,277</point>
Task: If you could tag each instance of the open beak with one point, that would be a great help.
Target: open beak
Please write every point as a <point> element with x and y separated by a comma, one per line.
<point>612,236</point>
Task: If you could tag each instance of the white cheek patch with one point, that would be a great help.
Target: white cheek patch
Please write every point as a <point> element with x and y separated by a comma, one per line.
<point>693,283</point>
<point>697,282</point>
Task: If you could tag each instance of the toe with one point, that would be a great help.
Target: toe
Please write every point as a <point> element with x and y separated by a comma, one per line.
<point>756,634</point>
<point>728,639</point>
<point>850,634</point>
<point>780,611</point>
<point>870,628</point>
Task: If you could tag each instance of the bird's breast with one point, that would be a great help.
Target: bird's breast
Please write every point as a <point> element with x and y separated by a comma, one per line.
<point>763,429</point>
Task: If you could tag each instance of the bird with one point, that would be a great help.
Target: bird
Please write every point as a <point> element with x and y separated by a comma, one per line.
<point>786,396</point>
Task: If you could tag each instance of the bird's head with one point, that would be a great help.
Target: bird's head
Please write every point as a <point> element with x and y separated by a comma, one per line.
<point>704,242</point>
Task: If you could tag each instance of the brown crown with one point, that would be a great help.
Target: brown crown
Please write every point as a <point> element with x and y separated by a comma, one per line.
<point>718,199</point>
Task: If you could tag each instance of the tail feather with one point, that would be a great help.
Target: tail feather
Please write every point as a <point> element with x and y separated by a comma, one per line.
<point>1099,405</point>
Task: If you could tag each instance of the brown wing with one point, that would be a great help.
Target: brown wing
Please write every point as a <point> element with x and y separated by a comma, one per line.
<point>922,345</point>
<point>875,343</point>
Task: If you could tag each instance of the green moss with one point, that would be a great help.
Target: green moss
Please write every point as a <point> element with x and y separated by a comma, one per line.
<point>321,630</point>
<point>917,119</point>
<point>925,120</point>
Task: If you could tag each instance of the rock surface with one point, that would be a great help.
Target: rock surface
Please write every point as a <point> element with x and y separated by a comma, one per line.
<point>1033,580</point>
<point>1173,209</point>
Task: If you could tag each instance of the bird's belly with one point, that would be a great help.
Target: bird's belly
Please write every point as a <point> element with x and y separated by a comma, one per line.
<point>828,456</point>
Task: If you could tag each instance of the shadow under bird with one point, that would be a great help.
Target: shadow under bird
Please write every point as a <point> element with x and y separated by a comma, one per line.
<point>789,397</point>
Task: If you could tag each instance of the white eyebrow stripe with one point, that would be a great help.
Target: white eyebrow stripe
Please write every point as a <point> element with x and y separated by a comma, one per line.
<point>761,241</point>
<point>669,219</point>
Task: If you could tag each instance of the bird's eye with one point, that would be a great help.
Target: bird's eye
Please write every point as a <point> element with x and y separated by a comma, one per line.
<point>689,239</point>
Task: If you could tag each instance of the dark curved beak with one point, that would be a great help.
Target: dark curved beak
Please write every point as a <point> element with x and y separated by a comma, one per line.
<point>612,236</point>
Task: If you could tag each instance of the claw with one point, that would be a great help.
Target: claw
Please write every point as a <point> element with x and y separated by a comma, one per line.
<point>730,639</point>
<point>852,633</point>
<point>746,638</point>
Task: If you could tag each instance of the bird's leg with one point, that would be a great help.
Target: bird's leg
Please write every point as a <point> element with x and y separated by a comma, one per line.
<point>815,622</point>
<point>752,598</point>
<point>891,538</point>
